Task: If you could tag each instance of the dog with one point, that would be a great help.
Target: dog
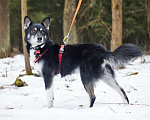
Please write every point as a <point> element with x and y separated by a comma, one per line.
<point>93,60</point>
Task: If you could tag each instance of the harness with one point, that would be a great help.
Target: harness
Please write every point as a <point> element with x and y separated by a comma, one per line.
<point>39,55</point>
<point>38,52</point>
<point>61,51</point>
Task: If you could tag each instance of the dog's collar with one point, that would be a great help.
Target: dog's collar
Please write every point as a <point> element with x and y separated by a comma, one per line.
<point>37,47</point>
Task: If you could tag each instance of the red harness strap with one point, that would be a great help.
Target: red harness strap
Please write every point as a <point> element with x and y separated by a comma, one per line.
<point>61,51</point>
<point>38,57</point>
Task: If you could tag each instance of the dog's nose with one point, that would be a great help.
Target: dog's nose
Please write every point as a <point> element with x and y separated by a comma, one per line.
<point>39,39</point>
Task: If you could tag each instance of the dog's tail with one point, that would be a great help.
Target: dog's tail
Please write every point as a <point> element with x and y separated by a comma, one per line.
<point>123,54</point>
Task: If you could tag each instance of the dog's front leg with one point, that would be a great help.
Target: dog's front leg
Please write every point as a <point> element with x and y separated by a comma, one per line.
<point>49,88</point>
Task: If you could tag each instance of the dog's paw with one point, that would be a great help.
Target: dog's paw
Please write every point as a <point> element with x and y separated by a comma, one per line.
<point>49,104</point>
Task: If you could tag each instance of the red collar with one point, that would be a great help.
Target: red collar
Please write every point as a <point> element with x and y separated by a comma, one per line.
<point>40,55</point>
<point>61,51</point>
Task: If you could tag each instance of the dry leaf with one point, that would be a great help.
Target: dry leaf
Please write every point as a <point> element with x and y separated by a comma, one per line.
<point>122,67</point>
<point>67,86</point>
<point>2,87</point>
<point>133,73</point>
<point>3,75</point>
<point>80,105</point>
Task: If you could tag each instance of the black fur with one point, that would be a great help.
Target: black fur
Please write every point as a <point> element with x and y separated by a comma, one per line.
<point>123,54</point>
<point>94,61</point>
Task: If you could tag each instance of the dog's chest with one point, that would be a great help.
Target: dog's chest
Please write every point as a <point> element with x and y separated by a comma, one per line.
<point>38,66</point>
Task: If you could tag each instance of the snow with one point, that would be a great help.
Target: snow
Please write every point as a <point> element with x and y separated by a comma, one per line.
<point>71,101</point>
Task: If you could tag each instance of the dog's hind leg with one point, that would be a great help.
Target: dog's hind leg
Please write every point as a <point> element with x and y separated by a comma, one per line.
<point>88,83</point>
<point>109,79</point>
<point>113,84</point>
<point>90,90</point>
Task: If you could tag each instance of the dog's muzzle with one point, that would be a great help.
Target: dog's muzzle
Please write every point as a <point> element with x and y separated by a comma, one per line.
<point>39,39</point>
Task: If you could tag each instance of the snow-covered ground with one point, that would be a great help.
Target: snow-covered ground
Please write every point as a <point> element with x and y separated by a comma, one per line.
<point>71,101</point>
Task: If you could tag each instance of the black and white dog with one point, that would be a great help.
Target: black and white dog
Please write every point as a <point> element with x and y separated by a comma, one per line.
<point>93,60</point>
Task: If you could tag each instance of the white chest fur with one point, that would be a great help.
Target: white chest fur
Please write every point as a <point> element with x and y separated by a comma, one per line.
<point>38,66</point>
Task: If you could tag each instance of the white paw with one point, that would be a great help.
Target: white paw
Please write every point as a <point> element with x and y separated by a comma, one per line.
<point>49,104</point>
<point>49,97</point>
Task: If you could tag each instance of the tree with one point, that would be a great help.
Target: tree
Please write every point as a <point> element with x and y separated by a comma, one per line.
<point>148,16</point>
<point>93,22</point>
<point>5,48</point>
<point>69,10</point>
<point>15,24</point>
<point>116,37</point>
<point>27,62</point>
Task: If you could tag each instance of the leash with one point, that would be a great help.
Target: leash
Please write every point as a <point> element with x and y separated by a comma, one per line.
<point>66,38</point>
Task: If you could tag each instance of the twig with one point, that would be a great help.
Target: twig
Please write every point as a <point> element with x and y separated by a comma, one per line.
<point>86,26</point>
<point>83,13</point>
<point>112,109</point>
<point>104,36</point>
<point>6,73</point>
<point>124,104</point>
<point>134,11</point>
<point>106,26</point>
<point>4,52</point>
<point>21,75</point>
<point>134,59</point>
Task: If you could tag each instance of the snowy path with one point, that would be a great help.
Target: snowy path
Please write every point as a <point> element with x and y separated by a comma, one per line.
<point>71,101</point>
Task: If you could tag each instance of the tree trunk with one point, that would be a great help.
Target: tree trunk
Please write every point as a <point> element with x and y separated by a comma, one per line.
<point>116,37</point>
<point>69,10</point>
<point>148,16</point>
<point>5,48</point>
<point>27,62</point>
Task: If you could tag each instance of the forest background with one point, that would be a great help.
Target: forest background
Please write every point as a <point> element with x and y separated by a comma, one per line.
<point>93,22</point>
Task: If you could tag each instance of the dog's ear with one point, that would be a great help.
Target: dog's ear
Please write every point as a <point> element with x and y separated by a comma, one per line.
<point>27,22</point>
<point>46,22</point>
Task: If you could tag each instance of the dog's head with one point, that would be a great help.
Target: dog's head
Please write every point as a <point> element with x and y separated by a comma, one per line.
<point>36,33</point>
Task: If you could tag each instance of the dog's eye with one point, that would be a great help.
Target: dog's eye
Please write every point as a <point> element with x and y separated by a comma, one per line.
<point>33,31</point>
<point>42,31</point>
